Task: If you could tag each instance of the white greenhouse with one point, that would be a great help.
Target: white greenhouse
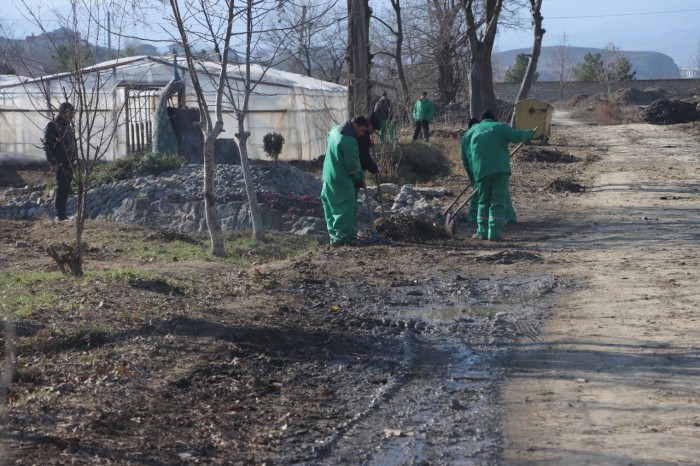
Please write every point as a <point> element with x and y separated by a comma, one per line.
<point>300,108</point>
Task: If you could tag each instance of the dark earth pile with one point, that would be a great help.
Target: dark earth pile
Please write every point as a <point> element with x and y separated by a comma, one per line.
<point>669,112</point>
<point>509,257</point>
<point>565,185</point>
<point>631,96</point>
<point>408,228</point>
<point>541,154</point>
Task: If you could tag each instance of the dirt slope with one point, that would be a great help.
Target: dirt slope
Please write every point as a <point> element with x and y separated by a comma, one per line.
<point>615,376</point>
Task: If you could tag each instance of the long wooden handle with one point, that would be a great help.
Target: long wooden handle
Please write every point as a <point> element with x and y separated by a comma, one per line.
<point>457,198</point>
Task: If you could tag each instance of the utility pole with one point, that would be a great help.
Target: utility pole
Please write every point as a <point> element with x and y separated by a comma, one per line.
<point>358,57</point>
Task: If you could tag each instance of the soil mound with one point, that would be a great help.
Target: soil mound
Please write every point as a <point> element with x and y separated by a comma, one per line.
<point>541,154</point>
<point>632,96</point>
<point>408,228</point>
<point>565,185</point>
<point>670,112</point>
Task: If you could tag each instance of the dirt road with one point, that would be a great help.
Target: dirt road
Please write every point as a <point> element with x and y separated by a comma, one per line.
<point>615,377</point>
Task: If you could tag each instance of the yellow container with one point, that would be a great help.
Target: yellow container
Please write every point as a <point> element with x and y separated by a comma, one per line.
<point>532,112</point>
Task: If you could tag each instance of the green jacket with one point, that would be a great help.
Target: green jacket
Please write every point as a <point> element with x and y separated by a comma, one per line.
<point>341,167</point>
<point>488,148</point>
<point>423,110</point>
<point>466,141</point>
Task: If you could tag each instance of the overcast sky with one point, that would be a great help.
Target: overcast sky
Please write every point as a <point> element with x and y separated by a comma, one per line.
<point>669,26</point>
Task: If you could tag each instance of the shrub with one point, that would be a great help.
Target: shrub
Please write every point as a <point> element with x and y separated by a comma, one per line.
<point>272,145</point>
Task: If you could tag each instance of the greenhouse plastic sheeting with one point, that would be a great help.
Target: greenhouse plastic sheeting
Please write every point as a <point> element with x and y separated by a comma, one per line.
<point>301,108</point>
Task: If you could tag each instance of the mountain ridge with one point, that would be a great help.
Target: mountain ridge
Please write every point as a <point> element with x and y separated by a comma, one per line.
<point>647,64</point>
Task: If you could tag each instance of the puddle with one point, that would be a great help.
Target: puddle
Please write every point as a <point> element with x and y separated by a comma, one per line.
<point>450,313</point>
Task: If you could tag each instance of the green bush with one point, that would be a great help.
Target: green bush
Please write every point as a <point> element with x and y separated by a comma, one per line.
<point>272,145</point>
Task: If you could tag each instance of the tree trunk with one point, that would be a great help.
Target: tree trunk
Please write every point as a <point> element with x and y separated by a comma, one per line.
<point>213,224</point>
<point>529,77</point>
<point>481,47</point>
<point>256,219</point>
<point>398,55</point>
<point>538,32</point>
<point>358,57</point>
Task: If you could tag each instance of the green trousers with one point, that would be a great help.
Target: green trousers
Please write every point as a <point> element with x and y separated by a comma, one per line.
<point>340,211</point>
<point>472,210</point>
<point>491,214</point>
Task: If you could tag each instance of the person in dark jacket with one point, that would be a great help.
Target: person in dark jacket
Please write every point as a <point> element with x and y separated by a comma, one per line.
<point>364,143</point>
<point>61,153</point>
<point>383,108</point>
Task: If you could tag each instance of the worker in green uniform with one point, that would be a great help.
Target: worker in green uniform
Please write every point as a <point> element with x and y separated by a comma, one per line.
<point>423,112</point>
<point>490,164</point>
<point>466,140</point>
<point>341,175</point>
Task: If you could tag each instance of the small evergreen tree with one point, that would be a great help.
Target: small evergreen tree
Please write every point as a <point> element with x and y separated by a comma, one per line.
<point>516,73</point>
<point>272,145</point>
<point>591,69</point>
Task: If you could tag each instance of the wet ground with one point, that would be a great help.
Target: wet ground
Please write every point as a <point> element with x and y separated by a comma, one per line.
<point>418,350</point>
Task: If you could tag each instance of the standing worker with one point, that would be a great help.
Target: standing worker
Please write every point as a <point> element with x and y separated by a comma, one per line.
<point>490,163</point>
<point>383,108</point>
<point>61,153</point>
<point>423,112</point>
<point>466,141</point>
<point>342,174</point>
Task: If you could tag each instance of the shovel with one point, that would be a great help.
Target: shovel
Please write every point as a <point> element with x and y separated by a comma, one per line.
<point>451,217</point>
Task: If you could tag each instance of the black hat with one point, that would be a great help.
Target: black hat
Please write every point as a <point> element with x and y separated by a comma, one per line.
<point>375,120</point>
<point>65,106</point>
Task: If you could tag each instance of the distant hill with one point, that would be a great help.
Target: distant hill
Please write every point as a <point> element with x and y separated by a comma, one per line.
<point>648,65</point>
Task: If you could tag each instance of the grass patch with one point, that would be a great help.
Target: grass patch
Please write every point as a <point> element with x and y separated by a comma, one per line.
<point>240,249</point>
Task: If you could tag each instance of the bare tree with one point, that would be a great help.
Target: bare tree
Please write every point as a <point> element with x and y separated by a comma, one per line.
<point>91,91</point>
<point>211,128</point>
<point>481,35</point>
<point>302,29</point>
<point>561,62</point>
<point>397,54</point>
<point>447,40</point>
